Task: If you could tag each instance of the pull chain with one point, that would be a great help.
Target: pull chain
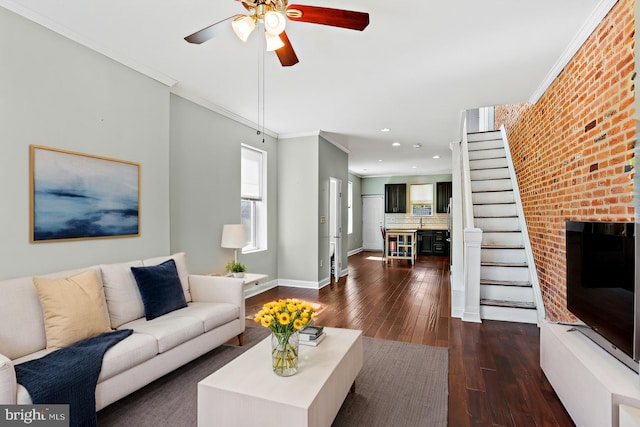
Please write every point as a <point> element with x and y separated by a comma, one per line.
<point>261,90</point>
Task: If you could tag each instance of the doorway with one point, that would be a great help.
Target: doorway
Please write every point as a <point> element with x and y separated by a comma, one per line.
<point>335,227</point>
<point>372,220</point>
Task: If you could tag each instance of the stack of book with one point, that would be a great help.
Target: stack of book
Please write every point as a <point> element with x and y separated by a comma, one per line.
<point>311,335</point>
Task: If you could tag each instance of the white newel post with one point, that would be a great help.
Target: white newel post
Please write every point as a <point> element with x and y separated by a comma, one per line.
<point>472,241</point>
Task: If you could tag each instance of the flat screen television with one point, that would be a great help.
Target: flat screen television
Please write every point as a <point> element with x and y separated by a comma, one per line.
<point>601,285</point>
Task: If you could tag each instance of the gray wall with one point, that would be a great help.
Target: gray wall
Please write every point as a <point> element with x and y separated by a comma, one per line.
<point>205,188</point>
<point>305,166</point>
<point>355,239</point>
<point>333,163</point>
<point>57,93</point>
<point>298,219</point>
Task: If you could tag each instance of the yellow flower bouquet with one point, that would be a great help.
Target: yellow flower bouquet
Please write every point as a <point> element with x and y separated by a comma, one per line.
<point>285,318</point>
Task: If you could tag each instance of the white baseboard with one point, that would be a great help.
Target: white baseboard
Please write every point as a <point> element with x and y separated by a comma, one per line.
<point>355,251</point>
<point>263,287</point>
<point>300,283</point>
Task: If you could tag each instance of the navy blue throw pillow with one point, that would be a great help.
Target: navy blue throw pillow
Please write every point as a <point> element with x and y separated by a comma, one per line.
<point>160,288</point>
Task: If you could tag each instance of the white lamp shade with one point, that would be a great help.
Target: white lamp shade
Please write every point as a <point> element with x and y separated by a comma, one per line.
<point>243,26</point>
<point>273,42</point>
<point>274,22</point>
<point>233,236</point>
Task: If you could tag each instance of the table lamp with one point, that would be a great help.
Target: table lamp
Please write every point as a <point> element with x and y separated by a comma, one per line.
<point>233,236</point>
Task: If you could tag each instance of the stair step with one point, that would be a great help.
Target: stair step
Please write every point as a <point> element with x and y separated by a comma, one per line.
<point>498,224</point>
<point>516,273</point>
<point>485,145</point>
<point>491,185</point>
<point>492,198</point>
<point>492,153</point>
<point>498,247</point>
<point>503,264</point>
<point>505,283</point>
<point>512,304</point>
<point>495,210</point>
<point>495,173</point>
<point>502,239</point>
<point>510,255</point>
<point>488,164</point>
<point>511,294</point>
<point>508,314</point>
<point>484,136</point>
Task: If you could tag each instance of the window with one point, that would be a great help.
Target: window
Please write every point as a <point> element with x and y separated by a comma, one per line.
<point>422,200</point>
<point>350,208</point>
<point>253,209</point>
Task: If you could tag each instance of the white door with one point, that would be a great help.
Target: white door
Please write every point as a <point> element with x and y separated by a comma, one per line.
<point>372,220</point>
<point>335,224</point>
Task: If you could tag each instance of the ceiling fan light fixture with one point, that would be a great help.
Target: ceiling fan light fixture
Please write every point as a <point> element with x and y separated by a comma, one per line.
<point>273,42</point>
<point>274,22</point>
<point>243,27</point>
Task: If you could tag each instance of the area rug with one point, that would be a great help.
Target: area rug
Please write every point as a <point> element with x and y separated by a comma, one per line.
<point>400,384</point>
<point>317,308</point>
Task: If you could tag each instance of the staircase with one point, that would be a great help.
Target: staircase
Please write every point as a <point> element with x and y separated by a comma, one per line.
<point>506,291</point>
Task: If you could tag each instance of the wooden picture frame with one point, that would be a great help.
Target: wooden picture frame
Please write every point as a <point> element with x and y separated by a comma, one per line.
<point>76,196</point>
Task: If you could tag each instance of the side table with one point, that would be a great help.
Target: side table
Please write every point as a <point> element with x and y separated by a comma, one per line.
<point>253,278</point>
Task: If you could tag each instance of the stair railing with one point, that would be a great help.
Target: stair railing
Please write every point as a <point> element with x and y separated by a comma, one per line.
<point>537,293</point>
<point>472,237</point>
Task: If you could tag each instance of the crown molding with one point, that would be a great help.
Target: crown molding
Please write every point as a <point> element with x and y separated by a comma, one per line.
<point>598,14</point>
<point>179,91</point>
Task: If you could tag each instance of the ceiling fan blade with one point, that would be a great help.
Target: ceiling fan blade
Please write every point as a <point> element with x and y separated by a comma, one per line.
<point>286,54</point>
<point>209,32</point>
<point>328,16</point>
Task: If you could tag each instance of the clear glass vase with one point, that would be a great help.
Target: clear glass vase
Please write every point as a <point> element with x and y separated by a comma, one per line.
<point>284,353</point>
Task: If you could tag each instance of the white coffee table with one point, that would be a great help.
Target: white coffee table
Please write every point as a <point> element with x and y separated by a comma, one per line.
<point>247,392</point>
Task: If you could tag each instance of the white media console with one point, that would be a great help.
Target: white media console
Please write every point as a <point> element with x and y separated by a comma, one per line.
<point>596,389</point>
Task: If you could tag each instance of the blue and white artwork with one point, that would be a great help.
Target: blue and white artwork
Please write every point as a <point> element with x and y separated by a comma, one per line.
<point>78,196</point>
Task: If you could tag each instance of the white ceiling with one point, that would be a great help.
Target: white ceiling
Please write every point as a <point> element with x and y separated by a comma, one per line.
<point>412,70</point>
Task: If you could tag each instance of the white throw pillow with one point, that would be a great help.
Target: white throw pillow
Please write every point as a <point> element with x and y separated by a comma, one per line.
<point>121,292</point>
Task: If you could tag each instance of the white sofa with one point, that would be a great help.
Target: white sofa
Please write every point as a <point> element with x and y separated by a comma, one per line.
<point>215,314</point>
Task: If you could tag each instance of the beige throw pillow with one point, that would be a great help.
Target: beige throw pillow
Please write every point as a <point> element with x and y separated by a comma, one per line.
<point>73,308</point>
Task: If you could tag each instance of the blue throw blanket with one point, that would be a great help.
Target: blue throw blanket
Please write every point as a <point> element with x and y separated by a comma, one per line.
<point>69,376</point>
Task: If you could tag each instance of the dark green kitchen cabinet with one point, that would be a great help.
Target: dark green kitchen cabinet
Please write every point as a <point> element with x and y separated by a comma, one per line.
<point>444,192</point>
<point>425,242</point>
<point>395,198</point>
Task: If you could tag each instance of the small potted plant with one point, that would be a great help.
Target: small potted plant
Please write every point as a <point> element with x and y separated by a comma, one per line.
<point>236,268</point>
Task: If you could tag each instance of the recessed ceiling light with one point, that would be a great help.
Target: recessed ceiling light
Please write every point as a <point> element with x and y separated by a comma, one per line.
<point>414,167</point>
<point>436,157</point>
<point>380,160</point>
<point>417,146</point>
<point>385,130</point>
<point>395,144</point>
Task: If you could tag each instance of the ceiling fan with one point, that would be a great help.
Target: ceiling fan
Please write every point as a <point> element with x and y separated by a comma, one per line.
<point>274,14</point>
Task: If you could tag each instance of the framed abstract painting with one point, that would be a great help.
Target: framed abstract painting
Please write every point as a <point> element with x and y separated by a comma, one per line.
<point>81,196</point>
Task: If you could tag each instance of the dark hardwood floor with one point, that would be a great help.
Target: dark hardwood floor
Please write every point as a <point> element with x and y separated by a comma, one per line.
<point>494,371</point>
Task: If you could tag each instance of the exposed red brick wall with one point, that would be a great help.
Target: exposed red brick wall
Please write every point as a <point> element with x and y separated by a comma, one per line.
<point>572,149</point>
<point>508,114</point>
